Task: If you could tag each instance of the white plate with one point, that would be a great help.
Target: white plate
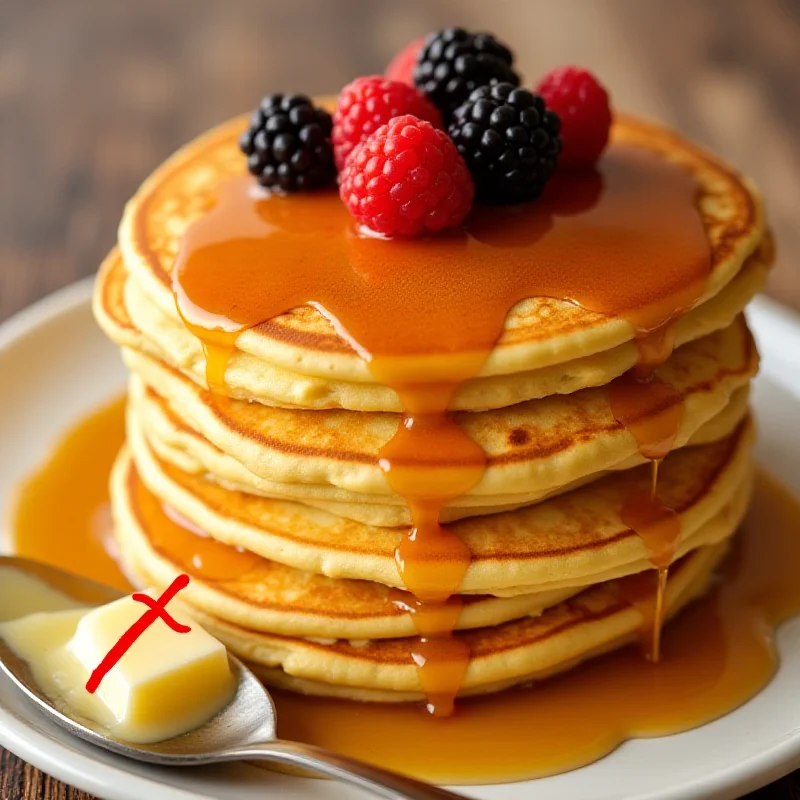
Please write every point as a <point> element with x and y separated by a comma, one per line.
<point>55,365</point>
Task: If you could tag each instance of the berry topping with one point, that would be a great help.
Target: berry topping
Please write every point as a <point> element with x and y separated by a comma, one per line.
<point>407,178</point>
<point>288,144</point>
<point>582,103</point>
<point>367,103</point>
<point>401,67</point>
<point>454,62</point>
<point>509,140</point>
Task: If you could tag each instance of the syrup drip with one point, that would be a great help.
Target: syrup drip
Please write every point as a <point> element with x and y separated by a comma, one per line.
<point>717,653</point>
<point>182,542</point>
<point>655,463</point>
<point>431,560</point>
<point>440,657</point>
<point>426,313</point>
<point>651,410</point>
<point>656,347</point>
<point>218,355</point>
<point>660,530</point>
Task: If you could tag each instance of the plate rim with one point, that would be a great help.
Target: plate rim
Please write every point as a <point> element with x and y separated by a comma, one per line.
<point>61,301</point>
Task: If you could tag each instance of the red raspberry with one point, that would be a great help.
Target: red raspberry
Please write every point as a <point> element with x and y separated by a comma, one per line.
<point>367,103</point>
<point>582,103</point>
<point>401,67</point>
<point>406,179</point>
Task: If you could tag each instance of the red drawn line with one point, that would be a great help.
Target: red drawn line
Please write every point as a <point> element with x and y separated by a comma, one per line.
<point>156,609</point>
<point>161,612</point>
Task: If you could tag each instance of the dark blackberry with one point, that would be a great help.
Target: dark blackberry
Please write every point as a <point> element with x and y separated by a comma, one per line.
<point>453,62</point>
<point>509,140</point>
<point>288,144</point>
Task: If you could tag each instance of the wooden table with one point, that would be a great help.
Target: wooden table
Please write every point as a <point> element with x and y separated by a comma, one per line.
<point>94,94</point>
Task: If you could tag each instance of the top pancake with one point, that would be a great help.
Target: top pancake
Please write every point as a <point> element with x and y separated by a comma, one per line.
<point>538,332</point>
<point>120,299</point>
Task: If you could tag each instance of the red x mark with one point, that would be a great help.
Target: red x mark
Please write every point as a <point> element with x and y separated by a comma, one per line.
<point>157,608</point>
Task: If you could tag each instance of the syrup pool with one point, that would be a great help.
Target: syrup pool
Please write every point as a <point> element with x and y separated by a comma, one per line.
<point>715,656</point>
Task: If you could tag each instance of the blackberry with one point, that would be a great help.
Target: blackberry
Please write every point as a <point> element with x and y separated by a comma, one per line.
<point>509,140</point>
<point>453,62</point>
<point>288,144</point>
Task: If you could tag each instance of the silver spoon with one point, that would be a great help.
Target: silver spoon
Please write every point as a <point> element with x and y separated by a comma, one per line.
<point>244,730</point>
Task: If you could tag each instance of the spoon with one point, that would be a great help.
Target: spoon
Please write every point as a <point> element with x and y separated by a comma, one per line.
<point>244,730</point>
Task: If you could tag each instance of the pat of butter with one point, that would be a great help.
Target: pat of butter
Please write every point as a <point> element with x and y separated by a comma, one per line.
<point>167,683</point>
<point>42,640</point>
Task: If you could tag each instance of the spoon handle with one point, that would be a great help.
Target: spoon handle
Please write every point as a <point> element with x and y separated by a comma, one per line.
<point>379,781</point>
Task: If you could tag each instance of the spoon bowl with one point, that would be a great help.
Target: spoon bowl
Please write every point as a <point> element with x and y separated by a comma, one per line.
<point>246,729</point>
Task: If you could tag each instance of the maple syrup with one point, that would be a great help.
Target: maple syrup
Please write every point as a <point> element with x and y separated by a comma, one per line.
<point>62,514</point>
<point>717,653</point>
<point>183,543</point>
<point>652,411</point>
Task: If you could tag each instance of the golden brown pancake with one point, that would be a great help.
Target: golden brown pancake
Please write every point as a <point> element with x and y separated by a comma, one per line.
<point>272,597</point>
<point>593,622</point>
<point>177,444</point>
<point>569,540</point>
<point>160,335</point>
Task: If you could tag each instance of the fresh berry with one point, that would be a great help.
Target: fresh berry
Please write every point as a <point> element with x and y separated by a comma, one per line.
<point>288,144</point>
<point>453,62</point>
<point>367,103</point>
<point>401,67</point>
<point>509,140</point>
<point>407,179</point>
<point>582,103</point>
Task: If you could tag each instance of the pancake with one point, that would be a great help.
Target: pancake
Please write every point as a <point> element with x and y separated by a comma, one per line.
<point>593,622</point>
<point>569,540</point>
<point>272,597</point>
<point>531,448</point>
<point>537,333</point>
<point>177,444</point>
<point>118,297</point>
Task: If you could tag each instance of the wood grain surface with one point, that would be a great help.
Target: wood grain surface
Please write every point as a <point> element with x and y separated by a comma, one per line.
<point>95,93</point>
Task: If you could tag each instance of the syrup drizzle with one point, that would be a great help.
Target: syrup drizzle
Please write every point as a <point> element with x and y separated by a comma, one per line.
<point>431,560</point>
<point>659,528</point>
<point>651,410</point>
<point>625,241</point>
<point>185,544</point>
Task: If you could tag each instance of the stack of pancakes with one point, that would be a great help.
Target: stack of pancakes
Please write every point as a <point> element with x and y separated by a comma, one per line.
<point>271,497</point>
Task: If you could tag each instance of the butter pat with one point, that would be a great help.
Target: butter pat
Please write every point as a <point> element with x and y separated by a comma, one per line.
<point>42,640</point>
<point>166,683</point>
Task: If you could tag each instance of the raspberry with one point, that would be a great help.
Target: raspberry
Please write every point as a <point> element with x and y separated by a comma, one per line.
<point>401,67</point>
<point>582,103</point>
<point>407,178</point>
<point>367,103</point>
